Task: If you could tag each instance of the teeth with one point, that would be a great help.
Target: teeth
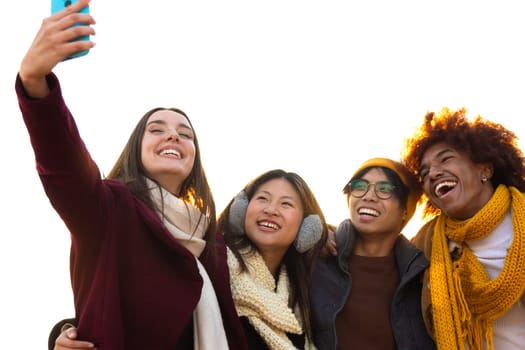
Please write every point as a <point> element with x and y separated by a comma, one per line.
<point>170,152</point>
<point>444,185</point>
<point>368,211</point>
<point>269,225</point>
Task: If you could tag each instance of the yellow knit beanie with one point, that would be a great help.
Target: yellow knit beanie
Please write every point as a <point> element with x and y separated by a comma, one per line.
<point>404,174</point>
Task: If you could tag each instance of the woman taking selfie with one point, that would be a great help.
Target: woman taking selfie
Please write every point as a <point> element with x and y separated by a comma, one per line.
<point>145,269</point>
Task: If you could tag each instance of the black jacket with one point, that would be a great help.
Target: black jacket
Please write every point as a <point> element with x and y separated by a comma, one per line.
<point>332,283</point>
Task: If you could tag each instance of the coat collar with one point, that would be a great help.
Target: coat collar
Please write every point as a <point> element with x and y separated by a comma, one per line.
<point>405,252</point>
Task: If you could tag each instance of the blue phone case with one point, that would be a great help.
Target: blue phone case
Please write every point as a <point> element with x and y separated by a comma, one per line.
<point>59,5</point>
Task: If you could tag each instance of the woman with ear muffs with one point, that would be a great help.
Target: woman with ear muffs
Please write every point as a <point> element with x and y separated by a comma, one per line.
<point>368,295</point>
<point>274,229</point>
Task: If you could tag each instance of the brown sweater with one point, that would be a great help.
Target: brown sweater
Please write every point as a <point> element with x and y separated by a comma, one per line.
<point>364,321</point>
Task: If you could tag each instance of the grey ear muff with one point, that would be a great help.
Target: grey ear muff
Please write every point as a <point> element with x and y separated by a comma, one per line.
<point>309,234</point>
<point>238,213</point>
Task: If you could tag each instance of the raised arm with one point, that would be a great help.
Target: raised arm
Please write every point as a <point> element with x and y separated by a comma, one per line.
<point>69,175</point>
<point>52,44</point>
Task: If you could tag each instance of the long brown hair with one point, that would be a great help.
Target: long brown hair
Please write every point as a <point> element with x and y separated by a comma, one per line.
<point>195,188</point>
<point>298,265</point>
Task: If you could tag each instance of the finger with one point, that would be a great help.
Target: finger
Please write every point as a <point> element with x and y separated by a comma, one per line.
<point>73,8</point>
<point>75,20</point>
<point>67,340</point>
<point>79,346</point>
<point>332,247</point>
<point>71,333</point>
<point>331,234</point>
<point>74,33</point>
<point>329,249</point>
<point>79,5</point>
<point>76,46</point>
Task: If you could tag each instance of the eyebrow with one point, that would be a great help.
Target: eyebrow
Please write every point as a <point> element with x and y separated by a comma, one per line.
<point>439,154</point>
<point>446,150</point>
<point>282,197</point>
<point>162,122</point>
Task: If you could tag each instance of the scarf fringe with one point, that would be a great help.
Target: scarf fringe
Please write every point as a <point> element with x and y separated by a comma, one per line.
<point>465,301</point>
<point>480,335</point>
<point>465,315</point>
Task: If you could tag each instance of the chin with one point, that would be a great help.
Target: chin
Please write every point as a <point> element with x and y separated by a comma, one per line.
<point>455,214</point>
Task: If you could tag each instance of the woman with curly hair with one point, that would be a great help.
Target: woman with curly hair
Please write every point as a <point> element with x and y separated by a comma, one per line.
<point>473,176</point>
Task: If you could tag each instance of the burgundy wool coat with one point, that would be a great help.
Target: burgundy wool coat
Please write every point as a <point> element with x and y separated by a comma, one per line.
<point>134,286</point>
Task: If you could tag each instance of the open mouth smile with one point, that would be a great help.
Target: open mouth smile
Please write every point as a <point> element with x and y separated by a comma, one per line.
<point>444,187</point>
<point>368,211</point>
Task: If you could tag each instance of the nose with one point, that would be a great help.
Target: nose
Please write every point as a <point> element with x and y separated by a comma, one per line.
<point>371,193</point>
<point>271,209</point>
<point>435,172</point>
<point>173,136</point>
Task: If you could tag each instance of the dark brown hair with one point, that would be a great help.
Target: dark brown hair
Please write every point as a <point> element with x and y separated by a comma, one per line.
<point>298,265</point>
<point>195,188</point>
<point>483,140</point>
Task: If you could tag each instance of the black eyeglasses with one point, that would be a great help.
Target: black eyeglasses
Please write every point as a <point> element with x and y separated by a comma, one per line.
<point>383,189</point>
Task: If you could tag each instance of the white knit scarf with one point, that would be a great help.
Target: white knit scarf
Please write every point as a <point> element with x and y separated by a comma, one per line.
<point>265,304</point>
<point>185,223</point>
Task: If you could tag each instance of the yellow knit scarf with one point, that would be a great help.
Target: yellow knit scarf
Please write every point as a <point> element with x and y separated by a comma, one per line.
<point>465,301</point>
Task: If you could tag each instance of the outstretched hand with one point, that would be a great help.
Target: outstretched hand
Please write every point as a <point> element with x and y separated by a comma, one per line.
<point>53,43</point>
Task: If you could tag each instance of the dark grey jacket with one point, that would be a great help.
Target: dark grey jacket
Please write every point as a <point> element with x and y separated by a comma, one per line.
<point>332,283</point>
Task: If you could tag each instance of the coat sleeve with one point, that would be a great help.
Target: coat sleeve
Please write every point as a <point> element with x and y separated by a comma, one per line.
<point>70,177</point>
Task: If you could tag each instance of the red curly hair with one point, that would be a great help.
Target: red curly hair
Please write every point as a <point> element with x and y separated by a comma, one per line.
<point>483,140</point>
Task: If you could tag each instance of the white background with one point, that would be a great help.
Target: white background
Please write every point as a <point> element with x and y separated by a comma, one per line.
<point>314,87</point>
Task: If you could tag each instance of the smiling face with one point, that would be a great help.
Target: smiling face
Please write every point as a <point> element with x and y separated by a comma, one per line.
<point>168,149</point>
<point>374,216</point>
<point>273,218</point>
<point>452,182</point>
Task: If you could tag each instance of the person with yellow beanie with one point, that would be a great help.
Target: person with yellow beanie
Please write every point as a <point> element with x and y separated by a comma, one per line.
<point>368,295</point>
<point>473,175</point>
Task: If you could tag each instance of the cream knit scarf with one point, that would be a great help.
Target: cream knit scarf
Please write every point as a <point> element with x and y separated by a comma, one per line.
<point>465,301</point>
<point>265,304</point>
<point>182,221</point>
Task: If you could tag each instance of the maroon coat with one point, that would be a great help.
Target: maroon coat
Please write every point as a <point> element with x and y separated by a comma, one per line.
<point>134,286</point>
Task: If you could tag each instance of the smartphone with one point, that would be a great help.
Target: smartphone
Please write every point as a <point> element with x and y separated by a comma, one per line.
<point>59,5</point>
